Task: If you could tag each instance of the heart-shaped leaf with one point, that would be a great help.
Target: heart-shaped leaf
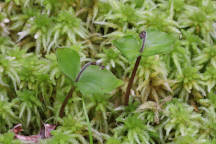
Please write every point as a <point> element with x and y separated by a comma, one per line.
<point>156,43</point>
<point>69,62</point>
<point>129,46</point>
<point>95,80</point>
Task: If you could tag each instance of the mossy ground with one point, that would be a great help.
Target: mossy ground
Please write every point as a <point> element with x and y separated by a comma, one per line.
<point>173,99</point>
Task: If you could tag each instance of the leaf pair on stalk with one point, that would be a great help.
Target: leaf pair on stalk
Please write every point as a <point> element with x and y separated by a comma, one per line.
<point>91,79</point>
<point>154,42</point>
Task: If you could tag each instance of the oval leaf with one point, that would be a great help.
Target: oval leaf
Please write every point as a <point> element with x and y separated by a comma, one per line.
<point>129,46</point>
<point>94,80</point>
<point>69,62</point>
<point>157,43</point>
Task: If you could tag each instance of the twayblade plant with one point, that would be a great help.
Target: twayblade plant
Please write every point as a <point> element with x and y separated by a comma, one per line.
<point>90,79</point>
<point>29,73</point>
<point>156,43</point>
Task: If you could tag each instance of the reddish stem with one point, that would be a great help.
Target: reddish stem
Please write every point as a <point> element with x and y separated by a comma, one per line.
<point>130,83</point>
<point>61,113</point>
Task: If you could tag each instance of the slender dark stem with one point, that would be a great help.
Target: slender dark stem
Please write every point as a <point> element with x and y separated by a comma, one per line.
<point>83,68</point>
<point>130,83</point>
<point>143,37</point>
<point>61,113</point>
<point>131,80</point>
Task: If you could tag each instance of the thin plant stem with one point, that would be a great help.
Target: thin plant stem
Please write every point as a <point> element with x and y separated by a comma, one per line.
<point>70,94</point>
<point>83,68</point>
<point>61,113</point>
<point>130,83</point>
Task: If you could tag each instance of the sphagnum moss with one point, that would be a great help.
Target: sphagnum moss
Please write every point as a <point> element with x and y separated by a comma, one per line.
<point>32,87</point>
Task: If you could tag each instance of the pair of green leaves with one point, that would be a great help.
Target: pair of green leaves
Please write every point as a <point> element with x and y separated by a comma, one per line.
<point>156,43</point>
<point>93,80</point>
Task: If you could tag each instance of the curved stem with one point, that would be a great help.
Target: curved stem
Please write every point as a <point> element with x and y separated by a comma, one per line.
<point>83,68</point>
<point>61,113</point>
<point>130,83</point>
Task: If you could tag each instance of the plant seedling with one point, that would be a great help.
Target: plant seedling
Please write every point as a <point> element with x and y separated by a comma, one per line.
<point>90,79</point>
<point>155,42</point>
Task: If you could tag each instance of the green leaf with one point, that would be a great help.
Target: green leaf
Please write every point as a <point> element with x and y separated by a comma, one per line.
<point>95,80</point>
<point>69,62</point>
<point>129,46</point>
<point>157,43</point>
